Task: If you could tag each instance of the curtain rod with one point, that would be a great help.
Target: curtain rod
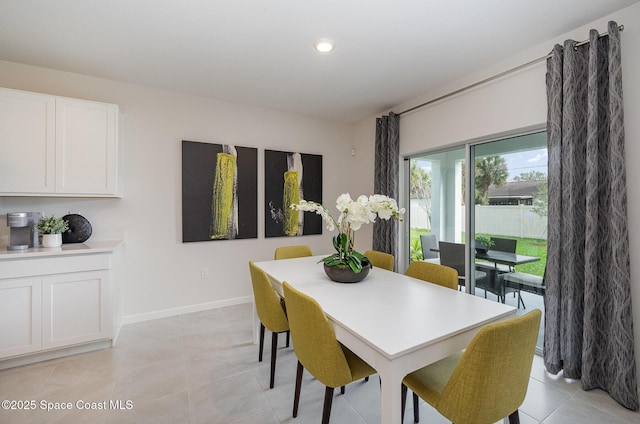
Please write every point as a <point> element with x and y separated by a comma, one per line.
<point>494,77</point>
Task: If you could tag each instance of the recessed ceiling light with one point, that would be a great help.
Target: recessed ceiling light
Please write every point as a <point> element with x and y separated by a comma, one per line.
<point>324,45</point>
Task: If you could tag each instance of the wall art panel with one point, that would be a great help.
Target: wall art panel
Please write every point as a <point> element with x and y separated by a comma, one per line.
<point>290,177</point>
<point>219,192</point>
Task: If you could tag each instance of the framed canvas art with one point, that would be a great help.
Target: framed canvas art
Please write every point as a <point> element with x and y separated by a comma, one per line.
<point>288,178</point>
<point>219,192</point>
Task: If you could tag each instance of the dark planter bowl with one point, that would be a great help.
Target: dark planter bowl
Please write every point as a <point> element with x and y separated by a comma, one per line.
<point>346,275</point>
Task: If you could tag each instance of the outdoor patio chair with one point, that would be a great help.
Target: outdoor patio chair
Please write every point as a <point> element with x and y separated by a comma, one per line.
<point>452,255</point>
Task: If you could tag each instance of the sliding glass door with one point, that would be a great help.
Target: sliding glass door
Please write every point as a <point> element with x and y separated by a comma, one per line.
<point>500,202</point>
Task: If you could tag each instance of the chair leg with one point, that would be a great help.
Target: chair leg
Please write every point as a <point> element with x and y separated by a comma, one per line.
<point>520,300</point>
<point>341,390</point>
<point>328,399</point>
<point>514,418</point>
<point>296,396</point>
<point>274,351</point>
<point>288,337</point>
<point>261,343</point>
<point>416,410</point>
<point>403,401</point>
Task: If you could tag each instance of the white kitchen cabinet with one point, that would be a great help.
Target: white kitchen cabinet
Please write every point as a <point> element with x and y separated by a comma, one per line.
<point>56,302</point>
<point>57,146</point>
<point>21,323</point>
<point>75,309</point>
<point>27,142</point>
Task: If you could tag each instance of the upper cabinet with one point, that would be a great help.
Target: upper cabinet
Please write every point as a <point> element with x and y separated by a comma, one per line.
<point>57,146</point>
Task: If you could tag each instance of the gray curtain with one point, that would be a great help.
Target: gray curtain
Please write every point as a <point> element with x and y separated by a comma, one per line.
<point>588,321</point>
<point>386,178</point>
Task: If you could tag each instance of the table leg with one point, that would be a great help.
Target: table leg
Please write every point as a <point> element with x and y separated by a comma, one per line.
<point>391,380</point>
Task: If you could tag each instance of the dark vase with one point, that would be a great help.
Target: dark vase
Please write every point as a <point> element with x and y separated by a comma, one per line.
<point>346,275</point>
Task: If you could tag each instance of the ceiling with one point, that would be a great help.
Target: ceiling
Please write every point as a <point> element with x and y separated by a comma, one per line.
<point>260,52</point>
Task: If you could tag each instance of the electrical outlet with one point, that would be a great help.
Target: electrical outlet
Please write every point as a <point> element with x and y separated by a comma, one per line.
<point>204,273</point>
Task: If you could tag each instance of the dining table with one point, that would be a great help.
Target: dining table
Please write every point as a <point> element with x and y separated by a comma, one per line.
<point>505,258</point>
<point>395,323</point>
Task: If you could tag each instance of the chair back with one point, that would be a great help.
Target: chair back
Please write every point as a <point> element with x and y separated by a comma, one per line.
<point>269,306</point>
<point>490,381</point>
<point>428,242</point>
<point>504,244</point>
<point>433,273</point>
<point>314,340</point>
<point>288,252</point>
<point>452,255</point>
<point>380,259</point>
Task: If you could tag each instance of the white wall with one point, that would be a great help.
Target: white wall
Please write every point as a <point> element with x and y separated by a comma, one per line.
<point>519,101</point>
<point>163,274</point>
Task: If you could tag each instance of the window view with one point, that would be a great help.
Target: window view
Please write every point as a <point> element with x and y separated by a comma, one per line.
<point>508,218</point>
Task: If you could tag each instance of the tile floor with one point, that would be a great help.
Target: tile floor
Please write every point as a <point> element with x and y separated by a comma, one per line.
<point>203,368</point>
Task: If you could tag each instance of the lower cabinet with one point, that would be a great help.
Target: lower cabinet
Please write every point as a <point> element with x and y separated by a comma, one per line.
<point>74,309</point>
<point>67,305</point>
<point>21,323</point>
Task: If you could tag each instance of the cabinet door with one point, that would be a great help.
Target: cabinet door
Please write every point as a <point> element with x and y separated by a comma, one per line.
<point>75,308</point>
<point>86,147</point>
<point>20,312</point>
<point>27,142</point>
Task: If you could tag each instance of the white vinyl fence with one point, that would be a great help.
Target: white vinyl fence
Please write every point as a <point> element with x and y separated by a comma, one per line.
<point>515,221</point>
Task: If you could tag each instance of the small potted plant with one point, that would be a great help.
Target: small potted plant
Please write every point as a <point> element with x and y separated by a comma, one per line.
<point>51,229</point>
<point>483,243</point>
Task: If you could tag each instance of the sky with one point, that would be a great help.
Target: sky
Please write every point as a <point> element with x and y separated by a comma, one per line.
<point>521,162</point>
<point>517,163</point>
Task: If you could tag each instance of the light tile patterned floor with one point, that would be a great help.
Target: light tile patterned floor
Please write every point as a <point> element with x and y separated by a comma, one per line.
<point>203,368</point>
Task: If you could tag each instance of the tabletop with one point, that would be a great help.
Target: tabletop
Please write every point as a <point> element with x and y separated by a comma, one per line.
<point>506,258</point>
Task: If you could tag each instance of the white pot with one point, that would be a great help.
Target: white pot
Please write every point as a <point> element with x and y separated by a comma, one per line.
<point>51,240</point>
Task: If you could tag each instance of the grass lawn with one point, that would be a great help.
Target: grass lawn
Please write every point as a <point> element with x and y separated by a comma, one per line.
<point>525,246</point>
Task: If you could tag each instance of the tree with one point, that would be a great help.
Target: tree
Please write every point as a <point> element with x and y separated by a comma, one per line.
<point>541,199</point>
<point>489,170</point>
<point>420,187</point>
<point>531,176</point>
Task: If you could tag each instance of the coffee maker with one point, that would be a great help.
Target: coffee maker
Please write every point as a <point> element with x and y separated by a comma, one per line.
<point>23,227</point>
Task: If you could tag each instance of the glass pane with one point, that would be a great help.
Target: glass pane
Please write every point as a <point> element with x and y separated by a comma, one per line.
<point>436,204</point>
<point>510,220</point>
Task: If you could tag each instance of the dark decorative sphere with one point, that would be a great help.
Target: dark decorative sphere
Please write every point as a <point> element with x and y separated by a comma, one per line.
<point>79,229</point>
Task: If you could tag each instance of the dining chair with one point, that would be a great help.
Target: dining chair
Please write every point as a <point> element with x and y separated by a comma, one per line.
<point>318,350</point>
<point>494,282</point>
<point>504,245</point>
<point>484,383</point>
<point>288,252</point>
<point>271,312</point>
<point>452,255</point>
<point>433,273</point>
<point>380,259</point>
<point>429,243</point>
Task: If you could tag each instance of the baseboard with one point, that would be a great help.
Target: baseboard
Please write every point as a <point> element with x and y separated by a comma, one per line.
<point>165,313</point>
<point>53,354</point>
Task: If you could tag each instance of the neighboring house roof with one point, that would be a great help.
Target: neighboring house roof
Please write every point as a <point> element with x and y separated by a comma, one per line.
<point>514,189</point>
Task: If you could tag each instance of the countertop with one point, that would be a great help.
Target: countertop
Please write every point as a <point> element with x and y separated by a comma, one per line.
<point>87,247</point>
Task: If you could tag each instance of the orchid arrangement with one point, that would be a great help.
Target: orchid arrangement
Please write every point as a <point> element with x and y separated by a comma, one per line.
<point>353,215</point>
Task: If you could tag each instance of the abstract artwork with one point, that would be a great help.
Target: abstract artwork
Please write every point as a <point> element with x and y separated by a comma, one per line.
<point>219,192</point>
<point>288,178</point>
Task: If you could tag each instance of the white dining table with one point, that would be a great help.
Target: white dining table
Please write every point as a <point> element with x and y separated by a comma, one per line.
<point>396,323</point>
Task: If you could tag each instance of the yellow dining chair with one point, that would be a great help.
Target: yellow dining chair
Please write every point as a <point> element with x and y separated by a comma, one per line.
<point>318,350</point>
<point>288,252</point>
<point>433,273</point>
<point>487,381</point>
<point>380,259</point>
<point>271,312</point>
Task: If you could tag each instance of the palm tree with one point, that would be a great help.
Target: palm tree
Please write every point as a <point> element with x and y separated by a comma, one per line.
<point>489,170</point>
